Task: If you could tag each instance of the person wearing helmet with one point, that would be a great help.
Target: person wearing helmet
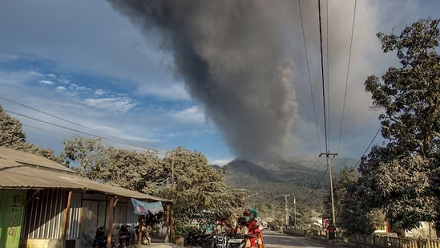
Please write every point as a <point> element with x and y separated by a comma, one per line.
<point>250,216</point>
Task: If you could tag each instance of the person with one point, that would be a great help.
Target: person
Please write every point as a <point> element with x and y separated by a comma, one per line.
<point>221,227</point>
<point>331,235</point>
<point>260,239</point>
<point>243,231</point>
<point>253,226</point>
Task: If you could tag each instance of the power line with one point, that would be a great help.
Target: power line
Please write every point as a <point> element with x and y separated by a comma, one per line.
<point>74,130</point>
<point>29,107</point>
<point>308,174</point>
<point>328,66</point>
<point>63,119</point>
<point>42,129</point>
<point>323,175</point>
<point>348,74</point>
<point>322,75</point>
<point>366,150</point>
<point>308,71</point>
<point>63,134</point>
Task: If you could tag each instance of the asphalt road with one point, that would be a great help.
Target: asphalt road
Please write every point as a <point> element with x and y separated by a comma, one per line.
<point>276,240</point>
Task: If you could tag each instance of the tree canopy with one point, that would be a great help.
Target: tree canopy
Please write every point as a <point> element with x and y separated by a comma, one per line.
<point>12,136</point>
<point>197,189</point>
<point>401,176</point>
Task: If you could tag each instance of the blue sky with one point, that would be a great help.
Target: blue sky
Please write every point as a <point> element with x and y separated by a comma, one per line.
<point>82,61</point>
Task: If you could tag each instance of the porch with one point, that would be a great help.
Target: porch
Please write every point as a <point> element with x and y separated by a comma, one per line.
<point>44,204</point>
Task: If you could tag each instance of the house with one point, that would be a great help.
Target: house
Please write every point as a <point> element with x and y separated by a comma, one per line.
<point>44,204</point>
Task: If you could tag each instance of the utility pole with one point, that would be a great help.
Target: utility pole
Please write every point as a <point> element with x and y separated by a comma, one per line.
<point>287,211</point>
<point>294,203</point>
<point>329,168</point>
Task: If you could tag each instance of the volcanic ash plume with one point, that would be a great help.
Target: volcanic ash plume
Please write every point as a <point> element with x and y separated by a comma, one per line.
<point>232,57</point>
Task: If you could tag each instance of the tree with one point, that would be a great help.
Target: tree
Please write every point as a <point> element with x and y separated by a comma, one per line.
<point>198,189</point>
<point>400,175</point>
<point>12,136</point>
<point>130,169</point>
<point>11,132</point>
<point>351,215</point>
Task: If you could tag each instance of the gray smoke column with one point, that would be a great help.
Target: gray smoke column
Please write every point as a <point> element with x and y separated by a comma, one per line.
<point>232,56</point>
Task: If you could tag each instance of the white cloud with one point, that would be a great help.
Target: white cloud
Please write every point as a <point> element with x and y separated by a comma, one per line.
<point>100,92</point>
<point>46,82</point>
<point>63,80</point>
<point>190,115</point>
<point>61,88</point>
<point>168,91</point>
<point>4,57</point>
<point>51,76</point>
<point>76,87</point>
<point>116,104</point>
<point>220,162</point>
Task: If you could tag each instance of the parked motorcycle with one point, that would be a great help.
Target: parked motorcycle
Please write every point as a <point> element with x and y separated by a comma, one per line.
<point>101,239</point>
<point>146,240</point>
<point>124,237</point>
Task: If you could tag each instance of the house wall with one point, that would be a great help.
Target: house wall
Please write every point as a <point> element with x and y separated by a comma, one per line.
<point>44,216</point>
<point>11,217</point>
<point>94,215</point>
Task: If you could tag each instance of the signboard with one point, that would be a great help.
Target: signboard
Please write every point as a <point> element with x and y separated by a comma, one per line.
<point>324,223</point>
<point>143,208</point>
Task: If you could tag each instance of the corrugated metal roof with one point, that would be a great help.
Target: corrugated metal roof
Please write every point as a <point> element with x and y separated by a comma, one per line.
<point>24,170</point>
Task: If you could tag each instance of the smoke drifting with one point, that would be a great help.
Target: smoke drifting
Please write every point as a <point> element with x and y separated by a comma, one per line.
<point>232,57</point>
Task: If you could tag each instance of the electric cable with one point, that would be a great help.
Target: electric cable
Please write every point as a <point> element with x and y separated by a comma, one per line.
<point>348,74</point>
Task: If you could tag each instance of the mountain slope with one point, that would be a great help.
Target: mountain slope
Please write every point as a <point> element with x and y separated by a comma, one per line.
<point>299,177</point>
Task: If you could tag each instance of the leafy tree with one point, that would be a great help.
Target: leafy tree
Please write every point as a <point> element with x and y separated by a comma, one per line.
<point>11,132</point>
<point>198,189</point>
<point>139,171</point>
<point>12,136</point>
<point>351,215</point>
<point>399,176</point>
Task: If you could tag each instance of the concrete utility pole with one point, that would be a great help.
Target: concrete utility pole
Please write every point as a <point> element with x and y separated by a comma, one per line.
<point>329,168</point>
<point>287,211</point>
<point>294,203</point>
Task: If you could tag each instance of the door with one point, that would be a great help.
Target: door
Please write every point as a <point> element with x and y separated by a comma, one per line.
<point>11,217</point>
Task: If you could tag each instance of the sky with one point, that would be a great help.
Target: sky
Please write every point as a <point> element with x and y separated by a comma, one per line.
<point>87,62</point>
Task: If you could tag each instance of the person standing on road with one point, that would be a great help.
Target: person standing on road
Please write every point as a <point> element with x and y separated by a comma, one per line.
<point>331,235</point>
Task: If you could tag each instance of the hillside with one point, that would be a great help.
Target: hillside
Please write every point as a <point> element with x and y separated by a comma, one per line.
<point>297,176</point>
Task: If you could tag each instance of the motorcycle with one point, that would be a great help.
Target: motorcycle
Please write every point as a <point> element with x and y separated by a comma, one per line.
<point>146,240</point>
<point>236,242</point>
<point>221,240</point>
<point>101,239</point>
<point>124,237</point>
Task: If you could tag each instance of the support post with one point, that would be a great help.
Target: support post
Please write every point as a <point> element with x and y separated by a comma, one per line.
<point>140,225</point>
<point>171,225</point>
<point>287,210</point>
<point>66,218</point>
<point>329,168</point>
<point>168,223</point>
<point>294,203</point>
<point>110,222</point>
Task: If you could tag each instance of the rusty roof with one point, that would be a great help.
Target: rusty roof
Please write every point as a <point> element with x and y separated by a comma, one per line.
<point>24,170</point>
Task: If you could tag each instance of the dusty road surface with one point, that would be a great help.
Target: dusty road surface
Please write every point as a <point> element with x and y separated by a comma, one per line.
<point>278,240</point>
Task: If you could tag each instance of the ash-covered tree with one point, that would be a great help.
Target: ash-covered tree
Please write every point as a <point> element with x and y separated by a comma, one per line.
<point>400,176</point>
<point>141,171</point>
<point>198,189</point>
<point>12,136</point>
<point>351,214</point>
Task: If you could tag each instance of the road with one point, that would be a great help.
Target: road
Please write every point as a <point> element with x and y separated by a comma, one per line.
<point>276,240</point>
